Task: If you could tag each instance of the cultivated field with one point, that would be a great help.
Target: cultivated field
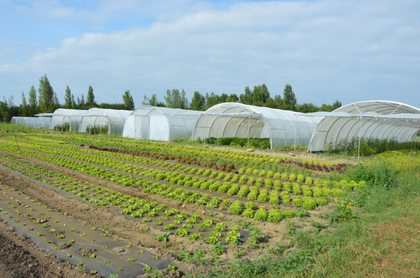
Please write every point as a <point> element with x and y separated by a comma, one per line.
<point>108,206</point>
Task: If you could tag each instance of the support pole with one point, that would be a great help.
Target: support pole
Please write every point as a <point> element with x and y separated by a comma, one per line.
<point>294,152</point>
<point>360,130</point>
<point>249,127</point>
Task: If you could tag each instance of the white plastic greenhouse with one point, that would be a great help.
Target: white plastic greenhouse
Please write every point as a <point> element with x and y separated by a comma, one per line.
<point>231,119</point>
<point>35,122</point>
<point>160,123</point>
<point>63,116</point>
<point>114,120</point>
<point>366,119</point>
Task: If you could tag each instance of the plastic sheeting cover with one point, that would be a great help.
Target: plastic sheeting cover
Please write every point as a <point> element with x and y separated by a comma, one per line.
<point>160,123</point>
<point>284,128</point>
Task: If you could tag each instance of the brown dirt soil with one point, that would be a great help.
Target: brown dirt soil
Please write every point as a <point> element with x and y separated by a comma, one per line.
<point>19,257</point>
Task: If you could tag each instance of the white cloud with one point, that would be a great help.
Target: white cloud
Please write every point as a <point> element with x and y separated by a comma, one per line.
<point>327,50</point>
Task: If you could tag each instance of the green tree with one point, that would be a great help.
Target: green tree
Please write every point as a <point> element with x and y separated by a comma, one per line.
<point>128,100</point>
<point>306,108</point>
<point>336,104</point>
<point>289,98</point>
<point>25,107</point>
<point>82,101</point>
<point>32,98</point>
<point>246,98</point>
<point>211,100</point>
<point>68,98</point>
<point>198,102</point>
<point>232,98</point>
<point>46,95</point>
<point>73,102</point>
<point>176,99</point>
<point>56,102</point>
<point>90,100</point>
<point>150,101</point>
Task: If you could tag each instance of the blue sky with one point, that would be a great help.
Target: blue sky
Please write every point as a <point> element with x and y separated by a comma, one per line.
<point>350,50</point>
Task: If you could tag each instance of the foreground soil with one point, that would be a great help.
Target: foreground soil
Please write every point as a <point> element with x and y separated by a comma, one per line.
<point>19,257</point>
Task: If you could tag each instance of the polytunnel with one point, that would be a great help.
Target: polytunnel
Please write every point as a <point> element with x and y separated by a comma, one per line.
<point>160,123</point>
<point>231,119</point>
<point>369,120</point>
<point>114,120</point>
<point>35,122</point>
<point>71,117</point>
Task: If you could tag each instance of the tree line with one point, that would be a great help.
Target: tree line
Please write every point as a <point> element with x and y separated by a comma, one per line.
<point>45,100</point>
<point>258,96</point>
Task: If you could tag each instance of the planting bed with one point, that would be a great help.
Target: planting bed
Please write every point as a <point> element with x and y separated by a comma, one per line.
<point>112,206</point>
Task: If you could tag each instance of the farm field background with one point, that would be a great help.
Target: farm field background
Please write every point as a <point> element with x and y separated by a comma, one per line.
<point>108,206</point>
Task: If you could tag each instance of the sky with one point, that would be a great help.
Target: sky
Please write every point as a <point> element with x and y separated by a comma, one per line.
<point>347,50</point>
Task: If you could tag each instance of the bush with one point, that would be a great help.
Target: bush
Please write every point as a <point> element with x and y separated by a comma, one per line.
<point>309,203</point>
<point>285,198</point>
<point>297,201</point>
<point>336,192</point>
<point>253,195</point>
<point>224,188</point>
<point>317,192</point>
<point>307,191</point>
<point>250,205</point>
<point>277,185</point>
<point>321,201</point>
<point>233,190</point>
<point>300,178</point>
<point>236,208</point>
<point>288,213</point>
<point>296,189</point>
<point>263,197</point>
<point>275,216</point>
<point>243,192</point>
<point>274,198</point>
<point>261,214</point>
<point>268,183</point>
<point>287,187</point>
<point>249,213</point>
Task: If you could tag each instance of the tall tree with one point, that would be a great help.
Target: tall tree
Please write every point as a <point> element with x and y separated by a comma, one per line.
<point>56,102</point>
<point>211,100</point>
<point>289,98</point>
<point>128,100</point>
<point>246,98</point>
<point>73,102</point>
<point>232,98</point>
<point>176,99</point>
<point>198,101</point>
<point>32,98</point>
<point>336,104</point>
<point>90,100</point>
<point>25,106</point>
<point>68,98</point>
<point>82,101</point>
<point>46,95</point>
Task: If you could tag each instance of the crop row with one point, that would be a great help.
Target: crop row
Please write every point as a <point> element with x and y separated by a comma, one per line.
<point>254,194</point>
<point>66,237</point>
<point>169,219</point>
